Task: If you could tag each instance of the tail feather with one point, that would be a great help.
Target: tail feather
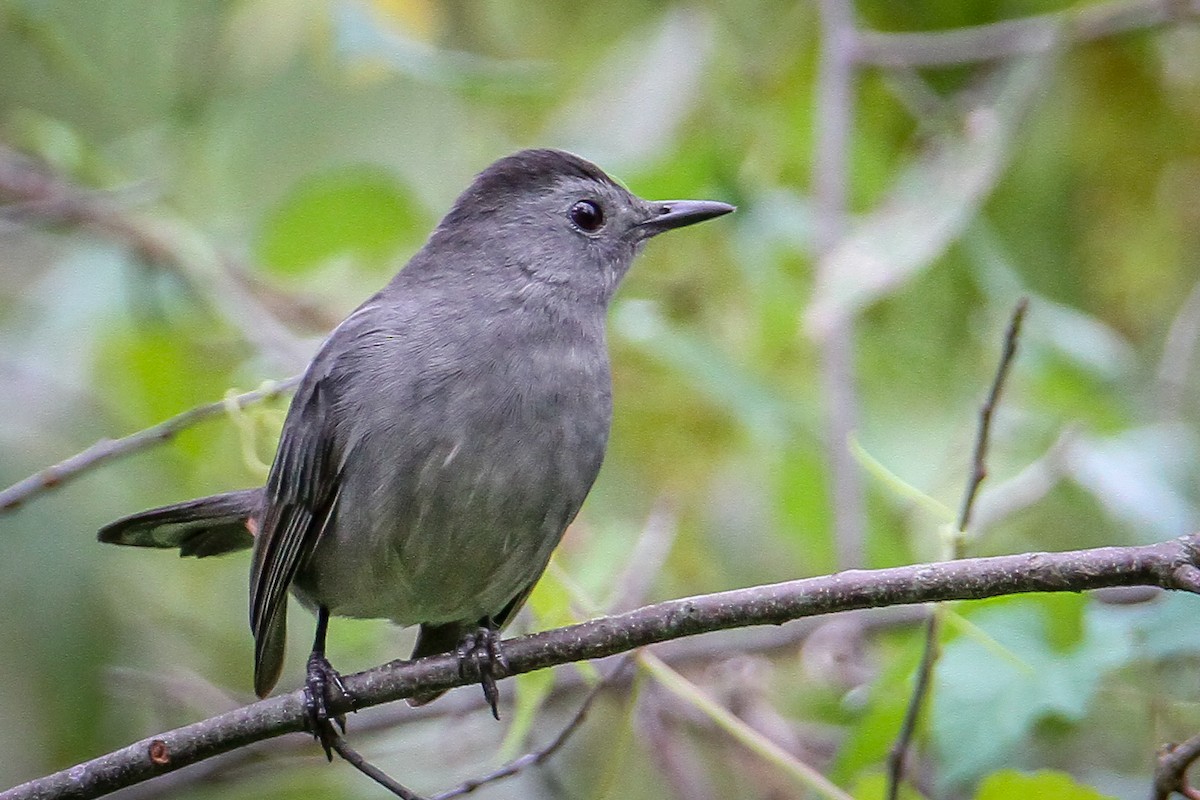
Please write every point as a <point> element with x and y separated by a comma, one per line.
<point>268,652</point>
<point>432,640</point>
<point>207,526</point>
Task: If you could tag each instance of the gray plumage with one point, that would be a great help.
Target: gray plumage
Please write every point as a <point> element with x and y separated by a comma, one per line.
<point>449,429</point>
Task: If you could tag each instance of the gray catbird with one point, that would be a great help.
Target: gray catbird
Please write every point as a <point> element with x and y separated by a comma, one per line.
<point>447,431</point>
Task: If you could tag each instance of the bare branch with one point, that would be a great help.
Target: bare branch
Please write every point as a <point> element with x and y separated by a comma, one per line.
<point>1170,772</point>
<point>539,756</point>
<point>1024,36</point>
<point>108,449</point>
<point>933,627</point>
<point>679,653</point>
<point>355,759</point>
<point>986,412</point>
<point>834,113</point>
<point>1163,565</point>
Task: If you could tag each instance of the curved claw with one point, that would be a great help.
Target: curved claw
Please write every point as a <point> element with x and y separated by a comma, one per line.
<point>481,658</point>
<point>321,676</point>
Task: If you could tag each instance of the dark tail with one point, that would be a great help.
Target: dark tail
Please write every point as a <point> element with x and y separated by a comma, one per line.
<point>207,526</point>
<point>432,640</point>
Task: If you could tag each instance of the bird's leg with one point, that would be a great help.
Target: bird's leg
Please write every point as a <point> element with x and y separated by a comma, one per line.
<point>316,688</point>
<point>481,658</point>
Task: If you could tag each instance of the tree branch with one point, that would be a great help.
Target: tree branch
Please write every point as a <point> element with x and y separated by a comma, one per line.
<point>106,449</point>
<point>933,627</point>
<point>1170,772</point>
<point>1024,36</point>
<point>539,756</point>
<point>834,122</point>
<point>1171,565</point>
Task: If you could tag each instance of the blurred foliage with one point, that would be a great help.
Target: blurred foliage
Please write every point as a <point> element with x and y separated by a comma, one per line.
<point>313,143</point>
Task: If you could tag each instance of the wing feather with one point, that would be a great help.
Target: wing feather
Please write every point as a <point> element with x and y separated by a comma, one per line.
<point>301,495</point>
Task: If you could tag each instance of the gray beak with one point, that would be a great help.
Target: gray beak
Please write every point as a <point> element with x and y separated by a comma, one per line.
<point>677,213</point>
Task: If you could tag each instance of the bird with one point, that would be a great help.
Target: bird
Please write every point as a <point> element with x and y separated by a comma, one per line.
<point>447,431</point>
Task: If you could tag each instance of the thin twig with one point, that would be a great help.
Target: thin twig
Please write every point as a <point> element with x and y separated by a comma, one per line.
<point>1015,37</point>
<point>108,449</point>
<point>929,655</point>
<point>539,756</point>
<point>1170,771</point>
<point>986,413</point>
<point>355,759</point>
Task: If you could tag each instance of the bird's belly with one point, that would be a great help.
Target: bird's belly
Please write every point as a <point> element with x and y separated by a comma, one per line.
<point>457,574</point>
<point>454,535</point>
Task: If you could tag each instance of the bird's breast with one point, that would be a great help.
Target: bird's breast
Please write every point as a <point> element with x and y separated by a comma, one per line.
<point>454,505</point>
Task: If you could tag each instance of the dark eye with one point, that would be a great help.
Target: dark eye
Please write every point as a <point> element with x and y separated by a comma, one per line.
<point>587,216</point>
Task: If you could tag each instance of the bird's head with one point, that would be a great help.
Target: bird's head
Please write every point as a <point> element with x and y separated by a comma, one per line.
<point>549,218</point>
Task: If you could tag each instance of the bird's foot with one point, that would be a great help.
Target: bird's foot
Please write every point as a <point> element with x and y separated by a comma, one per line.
<point>481,658</point>
<point>321,676</point>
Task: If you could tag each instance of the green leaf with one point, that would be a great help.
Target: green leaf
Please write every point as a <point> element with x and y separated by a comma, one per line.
<point>1065,622</point>
<point>1044,785</point>
<point>358,211</point>
<point>550,600</point>
<point>984,706</point>
<point>159,371</point>
<point>1142,476</point>
<point>874,787</point>
<point>1165,628</point>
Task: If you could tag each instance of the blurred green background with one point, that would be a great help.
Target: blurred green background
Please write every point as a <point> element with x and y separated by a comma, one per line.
<point>193,192</point>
